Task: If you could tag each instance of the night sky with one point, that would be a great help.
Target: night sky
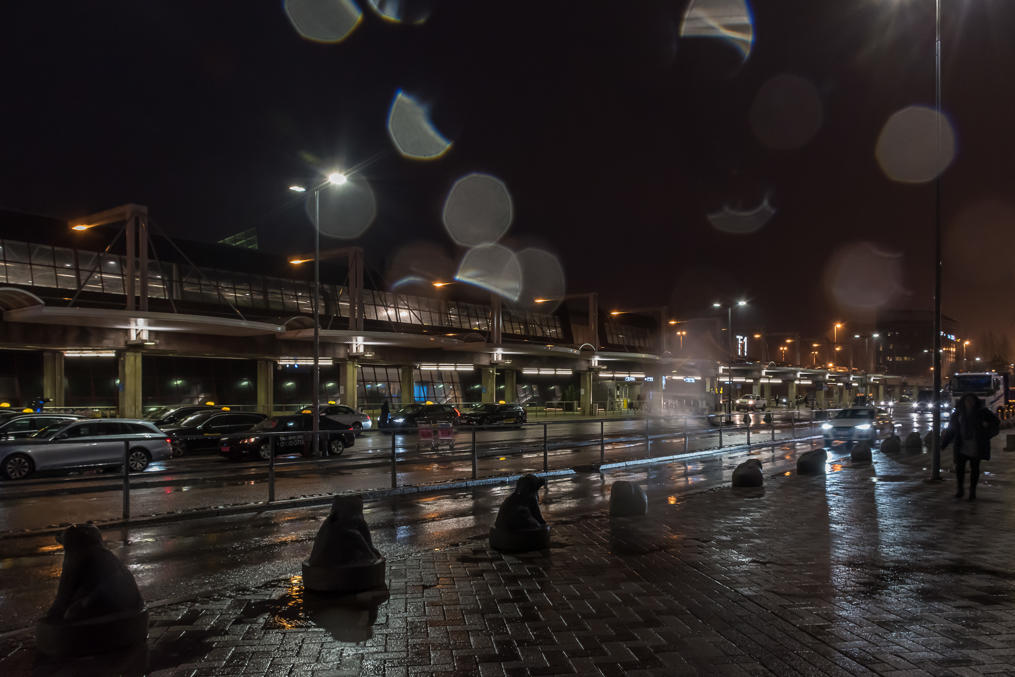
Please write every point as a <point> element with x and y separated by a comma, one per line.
<point>615,136</point>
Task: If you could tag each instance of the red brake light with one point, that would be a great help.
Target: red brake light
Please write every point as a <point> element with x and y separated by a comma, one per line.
<point>169,441</point>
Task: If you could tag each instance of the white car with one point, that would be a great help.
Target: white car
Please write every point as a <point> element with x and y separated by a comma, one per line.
<point>857,424</point>
<point>750,403</point>
<point>340,413</point>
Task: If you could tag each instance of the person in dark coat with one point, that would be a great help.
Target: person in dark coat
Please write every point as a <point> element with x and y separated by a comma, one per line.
<point>385,413</point>
<point>970,429</point>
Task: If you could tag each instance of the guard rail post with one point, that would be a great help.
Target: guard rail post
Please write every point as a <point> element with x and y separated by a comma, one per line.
<point>126,480</point>
<point>685,436</point>
<point>394,474</point>
<point>475,455</point>
<point>720,430</point>
<point>546,452</point>
<point>748,418</point>
<point>602,442</point>
<point>271,469</point>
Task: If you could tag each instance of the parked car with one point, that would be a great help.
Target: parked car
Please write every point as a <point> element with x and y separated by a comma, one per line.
<point>257,442</point>
<point>166,416</point>
<point>341,413</point>
<point>857,424</point>
<point>82,444</point>
<point>750,403</point>
<point>26,425</point>
<point>411,415</point>
<point>494,414</point>
<point>204,429</point>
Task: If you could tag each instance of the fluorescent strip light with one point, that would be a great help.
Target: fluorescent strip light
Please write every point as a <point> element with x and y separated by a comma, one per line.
<point>89,353</point>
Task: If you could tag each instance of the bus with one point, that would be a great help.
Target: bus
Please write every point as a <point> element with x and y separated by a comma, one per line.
<point>990,387</point>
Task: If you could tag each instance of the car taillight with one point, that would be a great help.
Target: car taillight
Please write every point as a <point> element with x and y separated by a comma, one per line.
<point>169,441</point>
<point>457,413</point>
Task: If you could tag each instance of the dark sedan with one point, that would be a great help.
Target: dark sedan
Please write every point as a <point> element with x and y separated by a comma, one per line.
<point>204,429</point>
<point>494,415</point>
<point>412,415</point>
<point>288,435</point>
<point>174,415</point>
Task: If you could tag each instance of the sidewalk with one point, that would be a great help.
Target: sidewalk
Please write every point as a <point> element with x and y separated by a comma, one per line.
<point>870,570</point>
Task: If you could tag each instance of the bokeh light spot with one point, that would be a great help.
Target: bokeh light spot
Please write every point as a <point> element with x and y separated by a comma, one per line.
<point>741,222</point>
<point>861,276</point>
<point>323,20</point>
<point>726,20</point>
<point>401,11</point>
<point>908,148</point>
<point>411,130</point>
<point>346,211</point>
<point>419,263</point>
<point>542,278</point>
<point>478,210</point>
<point>786,112</point>
<point>492,267</point>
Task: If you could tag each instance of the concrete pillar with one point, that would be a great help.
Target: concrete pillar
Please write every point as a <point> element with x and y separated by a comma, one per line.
<point>130,384</point>
<point>510,385</point>
<point>266,387</point>
<point>407,376</point>
<point>821,399</point>
<point>349,375</point>
<point>585,388</point>
<point>489,384</point>
<point>791,396</point>
<point>52,377</point>
<point>767,388</point>
<point>756,387</point>
<point>881,392</point>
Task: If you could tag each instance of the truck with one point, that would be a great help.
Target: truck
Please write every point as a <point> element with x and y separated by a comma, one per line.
<point>989,386</point>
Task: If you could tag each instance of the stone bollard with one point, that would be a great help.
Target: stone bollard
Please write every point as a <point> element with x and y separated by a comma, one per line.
<point>913,444</point>
<point>811,462</point>
<point>891,444</point>
<point>861,453</point>
<point>928,440</point>
<point>98,607</point>
<point>768,419</point>
<point>343,558</point>
<point>520,526</point>
<point>748,474</point>
<point>627,499</point>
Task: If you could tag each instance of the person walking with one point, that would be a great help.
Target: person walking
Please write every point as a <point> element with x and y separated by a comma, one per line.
<point>970,430</point>
<point>385,413</point>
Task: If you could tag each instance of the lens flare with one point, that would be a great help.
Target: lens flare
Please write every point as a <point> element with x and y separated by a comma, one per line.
<point>726,20</point>
<point>542,280</point>
<point>411,130</point>
<point>327,21</point>
<point>419,263</point>
<point>908,149</point>
<point>346,211</point>
<point>740,222</point>
<point>861,276</point>
<point>786,113</point>
<point>492,267</point>
<point>478,210</point>
<point>401,11</point>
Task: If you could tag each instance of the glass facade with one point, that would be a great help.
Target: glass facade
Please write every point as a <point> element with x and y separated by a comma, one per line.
<point>42,266</point>
<point>636,338</point>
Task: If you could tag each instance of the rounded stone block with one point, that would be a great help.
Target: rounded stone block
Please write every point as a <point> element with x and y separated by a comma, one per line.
<point>861,453</point>
<point>101,634</point>
<point>748,474</point>
<point>627,499</point>
<point>913,443</point>
<point>346,578</point>
<point>524,540</point>
<point>811,462</point>
<point>891,444</point>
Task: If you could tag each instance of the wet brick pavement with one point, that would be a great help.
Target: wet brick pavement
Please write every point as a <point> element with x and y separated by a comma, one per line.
<point>869,570</point>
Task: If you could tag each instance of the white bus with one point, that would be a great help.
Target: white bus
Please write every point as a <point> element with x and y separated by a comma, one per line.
<point>990,387</point>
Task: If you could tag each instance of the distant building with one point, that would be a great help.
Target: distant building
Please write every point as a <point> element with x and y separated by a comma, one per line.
<point>246,239</point>
<point>906,343</point>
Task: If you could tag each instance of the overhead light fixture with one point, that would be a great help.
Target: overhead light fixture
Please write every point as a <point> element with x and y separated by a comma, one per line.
<point>89,353</point>
<point>304,361</point>
<point>449,366</point>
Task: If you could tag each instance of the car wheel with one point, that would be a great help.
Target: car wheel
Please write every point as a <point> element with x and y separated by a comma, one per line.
<point>138,460</point>
<point>264,451</point>
<point>17,467</point>
<point>336,446</point>
<point>357,428</point>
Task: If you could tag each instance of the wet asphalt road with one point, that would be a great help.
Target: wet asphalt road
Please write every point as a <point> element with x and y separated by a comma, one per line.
<point>190,557</point>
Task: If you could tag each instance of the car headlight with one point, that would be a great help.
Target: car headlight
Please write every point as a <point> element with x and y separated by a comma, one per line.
<point>400,419</point>
<point>826,426</point>
<point>247,440</point>
<point>863,426</point>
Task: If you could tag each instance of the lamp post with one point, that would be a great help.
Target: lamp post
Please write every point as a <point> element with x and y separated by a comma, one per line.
<point>935,443</point>
<point>333,179</point>
<point>729,356</point>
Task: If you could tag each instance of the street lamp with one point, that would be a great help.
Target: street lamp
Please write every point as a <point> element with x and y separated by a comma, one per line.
<point>333,179</point>
<point>729,358</point>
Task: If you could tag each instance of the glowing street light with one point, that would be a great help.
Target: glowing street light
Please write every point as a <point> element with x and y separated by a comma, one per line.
<point>299,261</point>
<point>297,188</point>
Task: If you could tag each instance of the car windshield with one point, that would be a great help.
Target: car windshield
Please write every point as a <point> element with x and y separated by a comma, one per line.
<point>267,424</point>
<point>972,383</point>
<point>855,413</point>
<point>49,430</point>
<point>157,413</point>
<point>484,407</point>
<point>196,419</point>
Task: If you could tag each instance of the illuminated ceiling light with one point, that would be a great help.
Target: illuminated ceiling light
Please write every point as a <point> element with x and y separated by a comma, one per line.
<point>337,178</point>
<point>717,305</point>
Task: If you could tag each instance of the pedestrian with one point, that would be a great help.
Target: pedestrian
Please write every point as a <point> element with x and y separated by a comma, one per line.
<point>385,413</point>
<point>970,429</point>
